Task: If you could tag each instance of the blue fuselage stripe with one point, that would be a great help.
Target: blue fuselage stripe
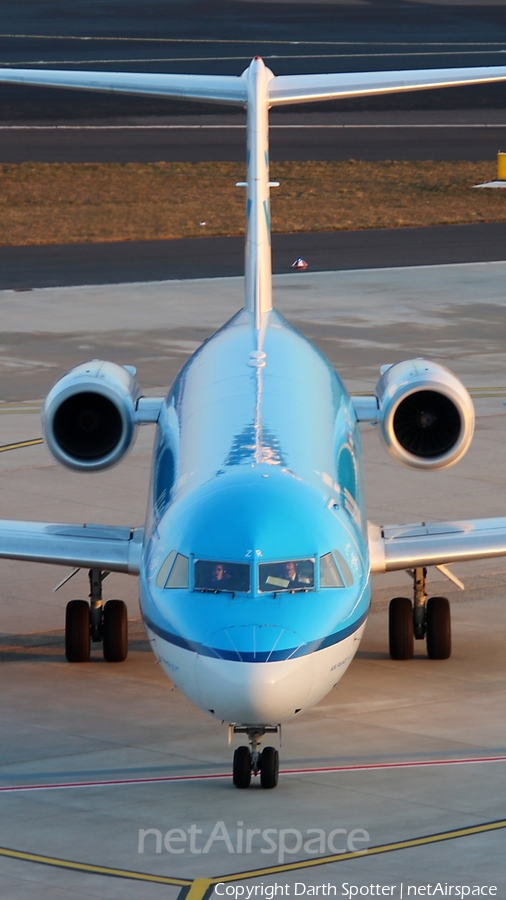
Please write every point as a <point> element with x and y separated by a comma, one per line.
<point>258,656</point>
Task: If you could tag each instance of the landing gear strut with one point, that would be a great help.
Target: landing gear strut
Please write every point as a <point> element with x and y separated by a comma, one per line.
<point>86,622</point>
<point>254,761</point>
<point>427,618</point>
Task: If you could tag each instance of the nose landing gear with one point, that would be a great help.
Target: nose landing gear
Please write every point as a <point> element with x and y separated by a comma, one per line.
<point>269,767</point>
<point>255,761</point>
<point>427,618</point>
<point>242,766</point>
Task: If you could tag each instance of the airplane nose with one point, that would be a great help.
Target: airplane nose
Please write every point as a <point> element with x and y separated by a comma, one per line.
<point>253,675</point>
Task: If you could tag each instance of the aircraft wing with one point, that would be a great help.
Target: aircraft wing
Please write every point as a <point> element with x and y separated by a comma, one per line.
<point>112,548</point>
<point>282,89</point>
<point>396,547</point>
<point>115,548</point>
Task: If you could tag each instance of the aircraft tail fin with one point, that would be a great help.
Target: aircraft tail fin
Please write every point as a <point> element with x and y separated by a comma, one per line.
<point>257,89</point>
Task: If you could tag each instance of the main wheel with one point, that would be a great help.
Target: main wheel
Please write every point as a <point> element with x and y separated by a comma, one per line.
<point>242,767</point>
<point>269,767</point>
<point>400,628</point>
<point>115,631</point>
<point>77,631</point>
<point>439,628</point>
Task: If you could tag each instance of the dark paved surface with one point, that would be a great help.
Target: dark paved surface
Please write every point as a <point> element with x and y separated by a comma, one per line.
<point>221,36</point>
<point>182,144</point>
<point>209,36</point>
<point>109,263</point>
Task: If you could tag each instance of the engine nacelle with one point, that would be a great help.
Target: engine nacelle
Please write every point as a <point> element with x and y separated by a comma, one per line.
<point>425,413</point>
<point>89,417</point>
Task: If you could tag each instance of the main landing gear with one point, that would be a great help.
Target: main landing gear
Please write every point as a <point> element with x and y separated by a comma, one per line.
<point>248,762</point>
<point>428,618</point>
<point>86,622</point>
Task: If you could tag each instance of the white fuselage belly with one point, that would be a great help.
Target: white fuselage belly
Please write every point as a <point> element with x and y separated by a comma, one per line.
<point>245,692</point>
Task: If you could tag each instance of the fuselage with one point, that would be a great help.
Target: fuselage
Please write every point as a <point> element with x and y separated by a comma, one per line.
<point>255,582</point>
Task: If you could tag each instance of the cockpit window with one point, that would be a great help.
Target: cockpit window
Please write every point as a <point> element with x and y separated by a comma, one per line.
<point>178,577</point>
<point>329,573</point>
<point>345,569</point>
<point>161,578</point>
<point>215,575</point>
<point>289,575</point>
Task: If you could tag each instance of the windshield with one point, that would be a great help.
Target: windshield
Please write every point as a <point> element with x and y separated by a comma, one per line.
<point>288,575</point>
<point>329,574</point>
<point>174,572</point>
<point>215,575</point>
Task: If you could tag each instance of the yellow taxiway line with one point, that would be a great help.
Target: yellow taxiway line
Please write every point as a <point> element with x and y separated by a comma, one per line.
<point>199,888</point>
<point>20,444</point>
<point>92,869</point>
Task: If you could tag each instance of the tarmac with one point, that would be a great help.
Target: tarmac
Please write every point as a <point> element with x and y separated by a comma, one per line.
<point>405,760</point>
<point>369,136</point>
<point>108,262</point>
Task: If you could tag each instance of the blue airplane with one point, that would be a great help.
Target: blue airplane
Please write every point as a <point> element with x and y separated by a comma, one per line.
<point>255,559</point>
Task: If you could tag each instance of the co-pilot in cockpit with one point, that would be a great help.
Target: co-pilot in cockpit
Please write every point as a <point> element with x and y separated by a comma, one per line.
<point>288,575</point>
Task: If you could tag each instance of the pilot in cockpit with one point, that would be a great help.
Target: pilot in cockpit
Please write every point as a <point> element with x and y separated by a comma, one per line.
<point>295,578</point>
<point>219,577</point>
<point>291,573</point>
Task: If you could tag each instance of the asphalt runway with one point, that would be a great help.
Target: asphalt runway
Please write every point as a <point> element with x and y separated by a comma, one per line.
<point>94,756</point>
<point>24,268</point>
<point>210,36</point>
<point>207,140</point>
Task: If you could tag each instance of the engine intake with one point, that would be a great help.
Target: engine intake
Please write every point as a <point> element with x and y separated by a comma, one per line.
<point>426,414</point>
<point>89,417</point>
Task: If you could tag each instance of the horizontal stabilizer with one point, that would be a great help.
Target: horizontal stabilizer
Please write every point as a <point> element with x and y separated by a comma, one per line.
<point>257,89</point>
<point>210,88</point>
<point>108,547</point>
<point>282,89</point>
<point>286,89</point>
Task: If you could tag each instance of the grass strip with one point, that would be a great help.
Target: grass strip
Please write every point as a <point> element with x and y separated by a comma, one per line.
<point>53,203</point>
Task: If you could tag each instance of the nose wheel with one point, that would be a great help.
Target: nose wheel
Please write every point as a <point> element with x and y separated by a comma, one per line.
<point>248,762</point>
<point>269,767</point>
<point>241,775</point>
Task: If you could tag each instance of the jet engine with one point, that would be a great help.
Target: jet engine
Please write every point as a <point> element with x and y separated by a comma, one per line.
<point>425,413</point>
<point>89,417</point>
